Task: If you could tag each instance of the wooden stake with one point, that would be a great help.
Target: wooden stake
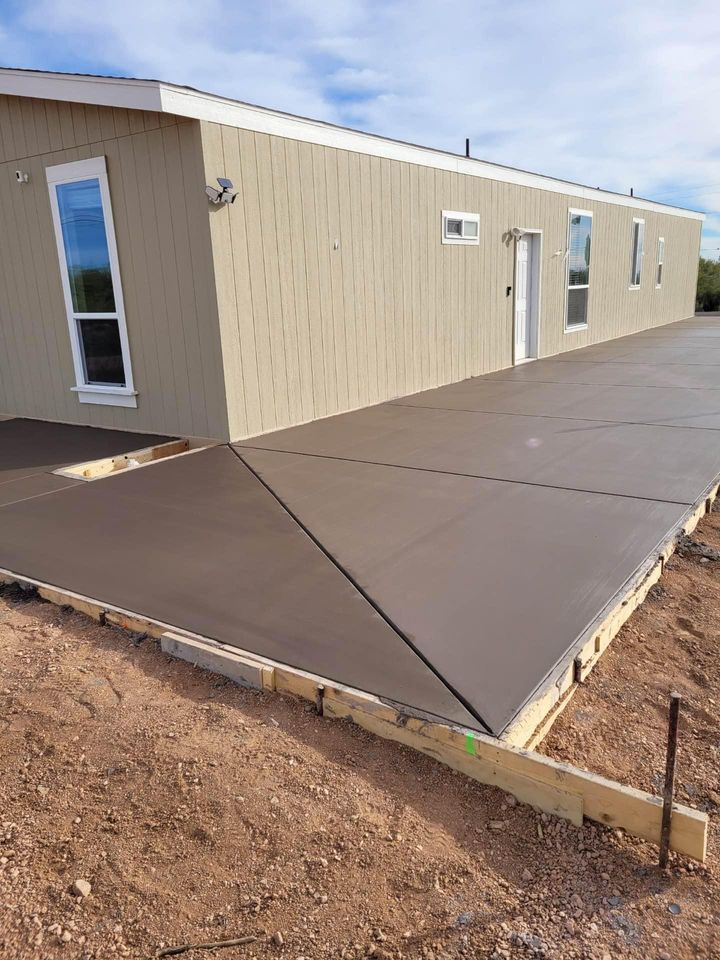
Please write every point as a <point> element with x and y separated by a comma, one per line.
<point>669,788</point>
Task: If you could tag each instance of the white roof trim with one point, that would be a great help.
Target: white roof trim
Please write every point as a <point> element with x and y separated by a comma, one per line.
<point>161,97</point>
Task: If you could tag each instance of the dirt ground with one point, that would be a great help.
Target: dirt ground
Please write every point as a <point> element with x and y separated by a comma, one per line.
<point>198,811</point>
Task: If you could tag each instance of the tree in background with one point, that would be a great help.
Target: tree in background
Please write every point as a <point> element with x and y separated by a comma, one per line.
<point>708,287</point>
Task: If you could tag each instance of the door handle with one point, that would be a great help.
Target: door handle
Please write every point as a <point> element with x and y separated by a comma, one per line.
<point>508,290</point>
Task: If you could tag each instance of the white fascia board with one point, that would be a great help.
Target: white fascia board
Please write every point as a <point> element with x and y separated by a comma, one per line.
<point>190,103</point>
<point>185,102</point>
<point>99,91</point>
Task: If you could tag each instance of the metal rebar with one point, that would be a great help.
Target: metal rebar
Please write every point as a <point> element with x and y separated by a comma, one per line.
<point>669,788</point>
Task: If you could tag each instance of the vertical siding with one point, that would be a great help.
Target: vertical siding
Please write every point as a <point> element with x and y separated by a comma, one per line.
<point>156,179</point>
<point>344,295</point>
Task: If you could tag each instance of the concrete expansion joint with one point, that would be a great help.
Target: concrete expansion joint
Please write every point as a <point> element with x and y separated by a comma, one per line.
<point>353,581</point>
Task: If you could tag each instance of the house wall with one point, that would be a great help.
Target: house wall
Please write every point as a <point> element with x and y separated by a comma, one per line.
<point>155,173</point>
<point>309,329</point>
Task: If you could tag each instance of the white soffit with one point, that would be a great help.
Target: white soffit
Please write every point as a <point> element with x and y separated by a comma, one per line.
<point>167,98</point>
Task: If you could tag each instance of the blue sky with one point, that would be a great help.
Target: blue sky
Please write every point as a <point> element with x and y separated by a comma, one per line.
<point>616,94</point>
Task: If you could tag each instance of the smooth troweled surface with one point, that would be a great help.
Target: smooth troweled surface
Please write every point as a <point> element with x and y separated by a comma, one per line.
<point>31,449</point>
<point>197,542</point>
<point>492,581</point>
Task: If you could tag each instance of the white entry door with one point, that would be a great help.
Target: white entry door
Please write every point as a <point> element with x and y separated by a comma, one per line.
<point>523,295</point>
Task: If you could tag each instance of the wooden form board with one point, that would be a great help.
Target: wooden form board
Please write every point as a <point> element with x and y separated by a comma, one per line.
<point>94,469</point>
<point>535,720</point>
<point>554,787</point>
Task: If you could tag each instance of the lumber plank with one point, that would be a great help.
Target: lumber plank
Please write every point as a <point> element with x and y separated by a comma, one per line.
<point>88,607</point>
<point>532,716</point>
<point>242,670</point>
<point>94,469</point>
<point>492,761</point>
<point>126,621</point>
<point>551,798</point>
<point>560,707</point>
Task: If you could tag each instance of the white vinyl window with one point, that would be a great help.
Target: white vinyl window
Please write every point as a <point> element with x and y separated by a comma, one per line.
<point>660,261</point>
<point>638,239</point>
<point>460,227</point>
<point>82,216</point>
<point>578,269</point>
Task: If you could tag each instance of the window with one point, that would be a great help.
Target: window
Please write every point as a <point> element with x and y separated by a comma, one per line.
<point>460,227</point>
<point>578,269</point>
<point>80,202</point>
<point>660,261</point>
<point>638,238</point>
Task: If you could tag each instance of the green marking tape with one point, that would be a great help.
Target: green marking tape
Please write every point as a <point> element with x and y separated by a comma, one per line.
<point>470,743</point>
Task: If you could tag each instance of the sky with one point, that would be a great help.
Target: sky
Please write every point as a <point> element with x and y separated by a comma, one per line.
<point>613,94</point>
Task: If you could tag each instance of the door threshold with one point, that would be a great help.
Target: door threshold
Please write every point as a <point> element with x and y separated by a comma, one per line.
<point>525,360</point>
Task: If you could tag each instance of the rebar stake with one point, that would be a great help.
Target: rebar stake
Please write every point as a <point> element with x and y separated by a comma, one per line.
<point>669,788</point>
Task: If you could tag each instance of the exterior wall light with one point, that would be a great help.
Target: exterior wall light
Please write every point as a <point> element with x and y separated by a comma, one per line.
<point>224,194</point>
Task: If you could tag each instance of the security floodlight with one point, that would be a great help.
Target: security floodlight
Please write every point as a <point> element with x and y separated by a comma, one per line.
<point>517,233</point>
<point>224,194</point>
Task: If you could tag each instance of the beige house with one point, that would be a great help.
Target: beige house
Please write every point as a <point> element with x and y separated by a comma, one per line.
<point>348,269</point>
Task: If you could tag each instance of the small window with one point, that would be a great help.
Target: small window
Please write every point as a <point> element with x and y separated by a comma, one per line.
<point>660,261</point>
<point>638,239</point>
<point>80,202</point>
<point>460,227</point>
<point>578,269</point>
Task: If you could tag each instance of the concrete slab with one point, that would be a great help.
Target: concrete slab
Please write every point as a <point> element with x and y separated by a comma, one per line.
<point>680,332</point>
<point>31,447</point>
<point>35,485</point>
<point>553,370</point>
<point>492,581</point>
<point>622,351</point>
<point>672,406</point>
<point>198,543</point>
<point>660,463</point>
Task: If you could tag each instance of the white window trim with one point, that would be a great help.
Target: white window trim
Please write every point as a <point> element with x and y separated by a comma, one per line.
<point>660,262</point>
<point>455,215</point>
<point>631,285</point>
<point>94,168</point>
<point>576,327</point>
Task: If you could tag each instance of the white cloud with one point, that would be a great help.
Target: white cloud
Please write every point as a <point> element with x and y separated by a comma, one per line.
<point>613,94</point>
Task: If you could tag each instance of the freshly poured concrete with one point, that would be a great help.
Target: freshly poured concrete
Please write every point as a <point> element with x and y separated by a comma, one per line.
<point>446,550</point>
<point>634,460</point>
<point>684,350</point>
<point>553,370</point>
<point>31,449</point>
<point>492,581</point>
<point>673,406</point>
<point>197,542</point>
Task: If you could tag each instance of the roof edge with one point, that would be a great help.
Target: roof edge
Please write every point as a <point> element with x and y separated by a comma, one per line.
<point>123,92</point>
<point>161,97</point>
